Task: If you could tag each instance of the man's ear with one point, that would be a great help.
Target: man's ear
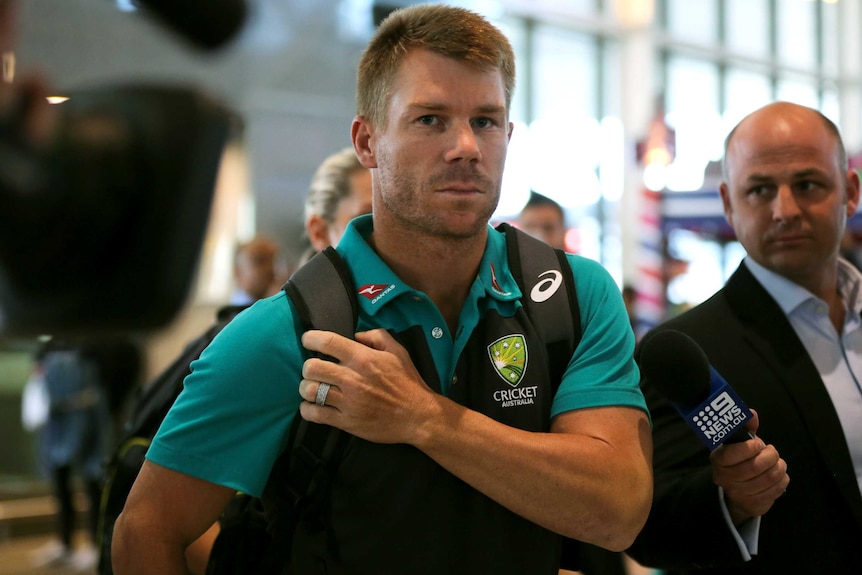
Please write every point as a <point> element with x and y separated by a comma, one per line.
<point>725,202</point>
<point>361,132</point>
<point>852,192</point>
<point>318,232</point>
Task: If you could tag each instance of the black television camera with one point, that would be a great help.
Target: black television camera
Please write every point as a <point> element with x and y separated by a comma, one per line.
<point>102,230</point>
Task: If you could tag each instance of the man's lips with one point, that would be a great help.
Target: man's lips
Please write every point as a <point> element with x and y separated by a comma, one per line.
<point>789,239</point>
<point>459,187</point>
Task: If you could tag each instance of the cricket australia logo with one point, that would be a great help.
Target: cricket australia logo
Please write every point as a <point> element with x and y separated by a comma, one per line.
<point>509,358</point>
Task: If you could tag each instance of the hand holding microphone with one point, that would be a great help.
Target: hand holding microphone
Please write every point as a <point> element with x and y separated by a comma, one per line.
<point>752,474</point>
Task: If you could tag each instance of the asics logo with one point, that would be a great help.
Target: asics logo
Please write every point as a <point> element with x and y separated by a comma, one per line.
<point>547,287</point>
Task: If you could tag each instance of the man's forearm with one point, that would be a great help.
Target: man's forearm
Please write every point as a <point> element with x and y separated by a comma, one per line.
<point>585,486</point>
<point>135,551</point>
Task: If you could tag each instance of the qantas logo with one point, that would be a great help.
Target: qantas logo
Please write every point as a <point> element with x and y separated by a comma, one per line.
<point>547,287</point>
<point>375,291</point>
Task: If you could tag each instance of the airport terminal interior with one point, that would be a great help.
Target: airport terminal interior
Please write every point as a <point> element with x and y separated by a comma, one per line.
<point>620,113</point>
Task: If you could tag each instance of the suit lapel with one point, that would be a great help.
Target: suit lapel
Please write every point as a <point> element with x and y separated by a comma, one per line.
<point>774,340</point>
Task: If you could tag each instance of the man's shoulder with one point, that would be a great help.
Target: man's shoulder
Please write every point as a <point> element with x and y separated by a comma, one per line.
<point>264,318</point>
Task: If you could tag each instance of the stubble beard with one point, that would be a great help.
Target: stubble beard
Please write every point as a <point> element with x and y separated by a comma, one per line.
<point>402,195</point>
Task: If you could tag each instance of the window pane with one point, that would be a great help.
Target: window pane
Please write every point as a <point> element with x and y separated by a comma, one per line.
<point>564,73</point>
<point>745,92</point>
<point>831,106</point>
<point>799,91</point>
<point>797,33</point>
<point>581,7</point>
<point>831,34</point>
<point>687,77</point>
<point>564,129</point>
<point>514,30</point>
<point>747,29</point>
<point>693,20</point>
<point>612,72</point>
<point>696,120</point>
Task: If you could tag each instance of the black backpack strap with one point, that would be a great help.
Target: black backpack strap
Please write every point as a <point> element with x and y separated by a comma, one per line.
<point>324,296</point>
<point>538,269</point>
<point>320,300</point>
<point>323,293</point>
<point>545,278</point>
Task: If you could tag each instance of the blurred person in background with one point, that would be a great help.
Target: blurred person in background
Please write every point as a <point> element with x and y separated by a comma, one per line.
<point>543,218</point>
<point>74,441</point>
<point>340,190</point>
<point>254,270</point>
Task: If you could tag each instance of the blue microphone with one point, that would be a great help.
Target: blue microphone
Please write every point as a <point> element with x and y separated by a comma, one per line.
<point>677,367</point>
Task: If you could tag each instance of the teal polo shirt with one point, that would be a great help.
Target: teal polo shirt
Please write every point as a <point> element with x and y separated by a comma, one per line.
<point>232,418</point>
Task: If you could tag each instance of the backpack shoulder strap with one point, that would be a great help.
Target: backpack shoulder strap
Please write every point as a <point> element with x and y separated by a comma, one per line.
<point>322,291</point>
<point>256,533</point>
<point>545,278</point>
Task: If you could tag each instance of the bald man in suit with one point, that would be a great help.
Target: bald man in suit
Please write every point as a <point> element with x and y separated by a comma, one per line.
<point>785,332</point>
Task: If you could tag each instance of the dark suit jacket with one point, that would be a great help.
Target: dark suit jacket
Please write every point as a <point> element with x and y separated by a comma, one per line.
<point>816,526</point>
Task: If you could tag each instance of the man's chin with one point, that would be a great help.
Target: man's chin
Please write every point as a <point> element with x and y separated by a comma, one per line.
<point>794,264</point>
<point>465,227</point>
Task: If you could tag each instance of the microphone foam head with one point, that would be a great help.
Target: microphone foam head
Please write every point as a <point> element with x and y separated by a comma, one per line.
<point>675,365</point>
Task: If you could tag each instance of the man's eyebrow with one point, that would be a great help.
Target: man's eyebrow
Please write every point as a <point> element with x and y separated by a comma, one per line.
<point>757,178</point>
<point>804,173</point>
<point>436,107</point>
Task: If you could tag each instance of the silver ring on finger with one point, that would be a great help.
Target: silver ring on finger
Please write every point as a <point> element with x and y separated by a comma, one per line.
<point>322,391</point>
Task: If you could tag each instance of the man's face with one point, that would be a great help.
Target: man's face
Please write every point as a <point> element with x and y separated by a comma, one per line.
<point>546,223</point>
<point>255,270</point>
<point>357,203</point>
<point>786,196</point>
<point>440,156</point>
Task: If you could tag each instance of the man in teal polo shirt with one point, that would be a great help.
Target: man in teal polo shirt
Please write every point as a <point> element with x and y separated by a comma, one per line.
<point>453,469</point>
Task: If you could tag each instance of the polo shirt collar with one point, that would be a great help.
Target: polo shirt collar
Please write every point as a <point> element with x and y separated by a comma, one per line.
<point>377,285</point>
<point>790,295</point>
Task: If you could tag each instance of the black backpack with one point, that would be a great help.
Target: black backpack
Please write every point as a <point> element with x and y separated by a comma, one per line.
<point>150,408</point>
<point>325,298</point>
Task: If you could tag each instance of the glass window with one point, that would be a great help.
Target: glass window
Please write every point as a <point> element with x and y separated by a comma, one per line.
<point>830,105</point>
<point>516,183</point>
<point>514,30</point>
<point>564,73</point>
<point>694,21</point>
<point>692,86</point>
<point>797,33</point>
<point>747,27</point>
<point>696,120</point>
<point>580,7</point>
<point>564,131</point>
<point>745,91</point>
<point>831,34</point>
<point>611,104</point>
<point>799,91</point>
<point>516,176</point>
